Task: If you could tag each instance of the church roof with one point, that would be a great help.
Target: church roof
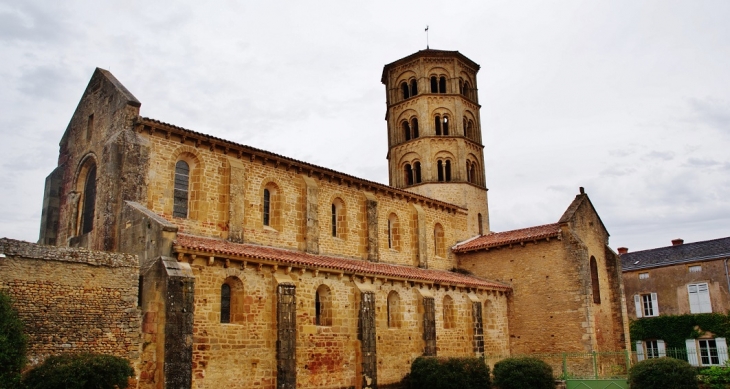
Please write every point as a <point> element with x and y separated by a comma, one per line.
<point>314,261</point>
<point>497,239</point>
<point>428,53</point>
<point>681,253</point>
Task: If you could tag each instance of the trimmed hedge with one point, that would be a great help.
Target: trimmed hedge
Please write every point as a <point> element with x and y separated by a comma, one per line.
<point>12,344</point>
<point>524,372</point>
<point>80,371</point>
<point>663,373</point>
<point>451,373</point>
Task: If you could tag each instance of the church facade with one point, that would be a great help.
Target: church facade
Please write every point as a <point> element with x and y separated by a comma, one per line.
<point>259,270</point>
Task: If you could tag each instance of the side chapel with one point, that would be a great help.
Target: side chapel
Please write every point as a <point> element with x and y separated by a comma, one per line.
<point>259,270</point>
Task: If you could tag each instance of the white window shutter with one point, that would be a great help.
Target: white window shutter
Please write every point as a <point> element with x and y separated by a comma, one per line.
<point>662,348</point>
<point>703,294</point>
<point>655,304</point>
<point>721,350</point>
<point>691,352</point>
<point>694,302</point>
<point>637,302</point>
<point>639,350</point>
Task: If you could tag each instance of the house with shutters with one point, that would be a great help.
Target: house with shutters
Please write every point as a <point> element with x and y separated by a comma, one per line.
<point>681,279</point>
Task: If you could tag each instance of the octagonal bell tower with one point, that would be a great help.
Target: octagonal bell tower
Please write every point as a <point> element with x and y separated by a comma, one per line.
<point>434,131</point>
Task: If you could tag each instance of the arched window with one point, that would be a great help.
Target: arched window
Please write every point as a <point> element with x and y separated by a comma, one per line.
<point>323,306</point>
<point>440,170</point>
<point>446,125</point>
<point>87,213</point>
<point>467,89</point>
<point>225,303</point>
<point>338,218</point>
<point>393,232</point>
<point>594,281</point>
<point>406,131</point>
<point>447,170</point>
<point>468,171</point>
<point>438,240</point>
<point>449,313</point>
<point>267,207</point>
<point>409,174</point>
<point>394,314</point>
<point>414,127</point>
<point>465,127</point>
<point>470,130</point>
<point>442,84</point>
<point>182,182</point>
<point>437,124</point>
<point>479,221</point>
<point>473,173</point>
<point>461,85</point>
<point>434,85</point>
<point>404,88</point>
<point>414,88</point>
<point>417,171</point>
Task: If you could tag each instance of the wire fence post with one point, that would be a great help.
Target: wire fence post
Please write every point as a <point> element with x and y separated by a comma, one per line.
<point>565,366</point>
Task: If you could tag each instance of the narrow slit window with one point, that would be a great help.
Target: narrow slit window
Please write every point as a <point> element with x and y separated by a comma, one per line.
<point>334,220</point>
<point>267,207</point>
<point>182,181</point>
<point>90,127</point>
<point>594,281</point>
<point>225,303</point>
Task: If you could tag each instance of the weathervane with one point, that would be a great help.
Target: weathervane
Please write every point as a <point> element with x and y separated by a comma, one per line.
<point>426,37</point>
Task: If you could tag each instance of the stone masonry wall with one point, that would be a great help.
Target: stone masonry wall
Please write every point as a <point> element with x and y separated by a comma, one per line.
<point>73,300</point>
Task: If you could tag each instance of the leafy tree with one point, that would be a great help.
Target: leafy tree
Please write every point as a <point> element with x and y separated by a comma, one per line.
<point>12,344</point>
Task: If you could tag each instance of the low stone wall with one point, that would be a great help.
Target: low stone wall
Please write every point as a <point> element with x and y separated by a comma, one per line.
<point>73,300</point>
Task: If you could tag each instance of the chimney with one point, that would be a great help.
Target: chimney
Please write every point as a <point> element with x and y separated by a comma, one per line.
<point>677,242</point>
<point>622,250</point>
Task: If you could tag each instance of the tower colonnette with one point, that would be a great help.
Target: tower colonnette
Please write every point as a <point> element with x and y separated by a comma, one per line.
<point>434,131</point>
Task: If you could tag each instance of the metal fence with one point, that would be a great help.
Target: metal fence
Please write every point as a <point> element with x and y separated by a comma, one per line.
<point>614,365</point>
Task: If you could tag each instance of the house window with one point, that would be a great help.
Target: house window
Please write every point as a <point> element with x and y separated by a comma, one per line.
<point>706,352</point>
<point>650,349</point>
<point>646,305</point>
<point>323,306</point>
<point>695,269</point>
<point>87,213</point>
<point>644,276</point>
<point>267,207</point>
<point>699,298</point>
<point>182,181</point>
<point>594,281</point>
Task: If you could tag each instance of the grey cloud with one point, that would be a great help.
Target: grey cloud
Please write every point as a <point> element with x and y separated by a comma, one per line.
<point>43,82</point>
<point>25,22</point>
<point>661,155</point>
<point>713,112</point>
<point>615,171</point>
<point>700,162</point>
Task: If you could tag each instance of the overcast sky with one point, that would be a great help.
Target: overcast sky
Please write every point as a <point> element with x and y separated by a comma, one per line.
<point>628,99</point>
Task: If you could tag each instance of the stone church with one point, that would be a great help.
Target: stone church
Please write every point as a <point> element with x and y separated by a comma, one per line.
<point>261,271</point>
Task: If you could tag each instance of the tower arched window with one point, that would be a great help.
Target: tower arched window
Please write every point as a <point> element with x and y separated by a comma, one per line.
<point>409,174</point>
<point>323,306</point>
<point>467,90</point>
<point>440,170</point>
<point>267,207</point>
<point>465,127</point>
<point>414,87</point>
<point>417,172</point>
<point>468,171</point>
<point>405,89</point>
<point>437,124</point>
<point>447,170</point>
<point>434,85</point>
<point>87,213</point>
<point>182,183</point>
<point>414,127</point>
<point>473,173</point>
<point>461,86</point>
<point>442,84</point>
<point>407,131</point>
<point>594,281</point>
<point>470,130</point>
<point>446,125</point>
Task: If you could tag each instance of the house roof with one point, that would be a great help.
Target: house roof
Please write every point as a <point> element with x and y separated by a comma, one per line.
<point>497,239</point>
<point>671,255</point>
<point>192,243</point>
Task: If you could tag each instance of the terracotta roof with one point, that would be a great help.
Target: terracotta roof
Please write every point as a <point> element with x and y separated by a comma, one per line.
<point>671,255</point>
<point>351,266</point>
<point>509,237</point>
<point>263,154</point>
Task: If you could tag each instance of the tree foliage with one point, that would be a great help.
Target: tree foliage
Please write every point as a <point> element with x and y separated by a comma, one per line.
<point>675,329</point>
<point>12,344</point>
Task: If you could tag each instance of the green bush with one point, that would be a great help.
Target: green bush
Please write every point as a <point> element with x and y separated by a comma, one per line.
<point>80,371</point>
<point>520,373</point>
<point>716,377</point>
<point>12,344</point>
<point>663,373</point>
<point>451,373</point>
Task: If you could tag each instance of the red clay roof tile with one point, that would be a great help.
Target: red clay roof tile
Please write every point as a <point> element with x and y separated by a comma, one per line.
<point>509,237</point>
<point>298,258</point>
